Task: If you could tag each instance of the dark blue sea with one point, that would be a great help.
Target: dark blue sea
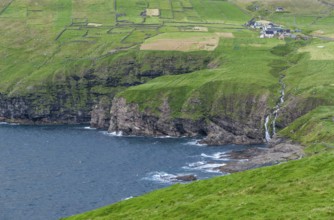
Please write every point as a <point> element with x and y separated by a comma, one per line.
<point>49,172</point>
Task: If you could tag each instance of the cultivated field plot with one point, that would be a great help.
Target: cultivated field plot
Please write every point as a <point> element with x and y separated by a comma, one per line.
<point>185,41</point>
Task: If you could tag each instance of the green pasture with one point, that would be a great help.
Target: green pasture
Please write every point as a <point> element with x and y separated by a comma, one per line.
<point>312,76</point>
<point>40,36</point>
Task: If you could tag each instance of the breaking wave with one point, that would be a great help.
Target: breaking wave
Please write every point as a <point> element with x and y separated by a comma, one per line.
<point>89,128</point>
<point>195,143</point>
<point>204,166</point>
<point>216,156</point>
<point>113,134</point>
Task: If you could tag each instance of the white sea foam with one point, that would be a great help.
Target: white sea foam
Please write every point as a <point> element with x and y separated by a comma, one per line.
<point>89,128</point>
<point>113,134</point>
<point>127,198</point>
<point>6,123</point>
<point>195,143</point>
<point>167,136</point>
<point>204,166</point>
<point>216,156</point>
<point>161,177</point>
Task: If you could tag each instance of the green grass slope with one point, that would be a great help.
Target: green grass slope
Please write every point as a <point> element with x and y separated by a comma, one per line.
<point>315,129</point>
<point>301,189</point>
<point>244,70</point>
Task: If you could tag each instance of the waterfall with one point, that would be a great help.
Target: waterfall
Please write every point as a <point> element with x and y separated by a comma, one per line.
<point>275,111</point>
<point>280,103</point>
<point>267,134</point>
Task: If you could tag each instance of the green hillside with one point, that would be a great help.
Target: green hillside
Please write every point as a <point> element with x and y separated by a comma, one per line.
<point>42,39</point>
<point>239,74</point>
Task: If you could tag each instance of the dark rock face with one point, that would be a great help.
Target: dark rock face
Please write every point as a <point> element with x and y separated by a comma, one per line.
<point>33,109</point>
<point>128,119</point>
<point>186,178</point>
<point>296,107</point>
<point>100,115</point>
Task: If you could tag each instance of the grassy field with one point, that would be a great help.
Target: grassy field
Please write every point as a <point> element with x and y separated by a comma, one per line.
<point>296,190</point>
<point>183,41</point>
<point>53,33</point>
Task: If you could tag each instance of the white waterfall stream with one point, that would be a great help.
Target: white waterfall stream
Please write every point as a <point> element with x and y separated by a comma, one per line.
<point>267,134</point>
<point>275,111</point>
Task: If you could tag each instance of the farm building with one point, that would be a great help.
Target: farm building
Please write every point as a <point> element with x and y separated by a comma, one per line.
<point>269,34</point>
<point>279,9</point>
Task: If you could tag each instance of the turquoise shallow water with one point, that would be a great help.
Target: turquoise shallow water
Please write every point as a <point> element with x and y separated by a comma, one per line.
<point>48,172</point>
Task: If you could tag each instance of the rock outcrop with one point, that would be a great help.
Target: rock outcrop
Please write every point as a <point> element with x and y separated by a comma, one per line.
<point>216,130</point>
<point>186,178</point>
<point>128,119</point>
<point>279,150</point>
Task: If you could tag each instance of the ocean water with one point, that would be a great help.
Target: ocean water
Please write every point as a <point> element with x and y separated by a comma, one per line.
<point>49,172</point>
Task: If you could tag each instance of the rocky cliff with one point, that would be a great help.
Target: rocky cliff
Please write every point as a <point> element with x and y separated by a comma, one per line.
<point>83,96</point>
<point>216,129</point>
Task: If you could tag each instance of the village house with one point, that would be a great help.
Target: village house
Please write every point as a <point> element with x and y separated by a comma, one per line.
<point>279,9</point>
<point>269,29</point>
<point>269,34</point>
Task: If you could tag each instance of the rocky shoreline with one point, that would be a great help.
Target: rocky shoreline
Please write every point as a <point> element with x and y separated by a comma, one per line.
<point>279,150</point>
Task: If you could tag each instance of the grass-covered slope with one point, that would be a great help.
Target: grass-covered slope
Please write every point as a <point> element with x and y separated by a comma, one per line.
<point>315,129</point>
<point>243,70</point>
<point>309,83</point>
<point>301,189</point>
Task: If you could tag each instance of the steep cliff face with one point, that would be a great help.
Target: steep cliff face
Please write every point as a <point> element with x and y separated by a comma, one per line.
<point>42,110</point>
<point>247,128</point>
<point>84,95</point>
<point>128,119</point>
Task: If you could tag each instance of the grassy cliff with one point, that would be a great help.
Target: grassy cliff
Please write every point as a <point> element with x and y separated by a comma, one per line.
<point>60,58</point>
<point>243,68</point>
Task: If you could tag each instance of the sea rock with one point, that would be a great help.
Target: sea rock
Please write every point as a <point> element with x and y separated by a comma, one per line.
<point>186,178</point>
